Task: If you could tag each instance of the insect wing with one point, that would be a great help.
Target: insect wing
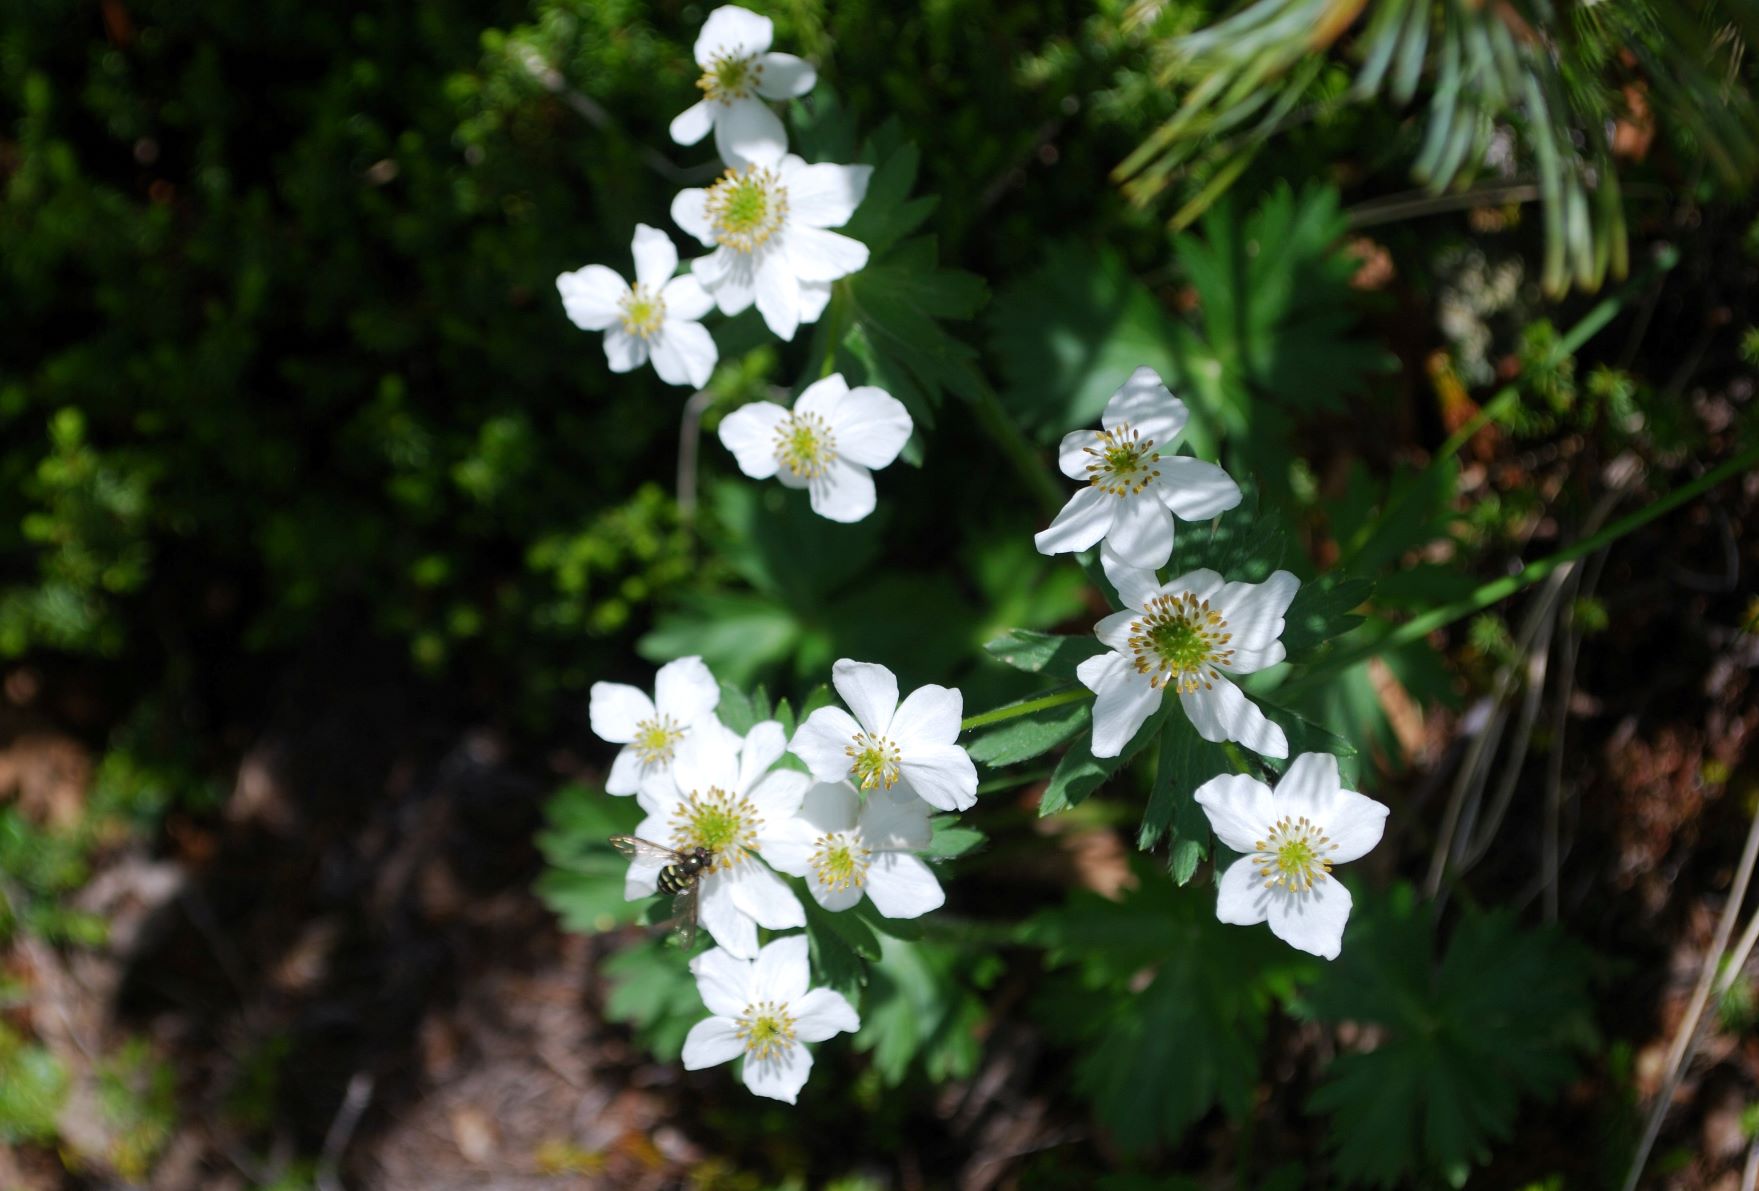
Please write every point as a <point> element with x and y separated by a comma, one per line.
<point>684,909</point>
<point>643,849</point>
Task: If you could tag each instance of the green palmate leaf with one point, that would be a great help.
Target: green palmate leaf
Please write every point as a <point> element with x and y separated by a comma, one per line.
<point>922,1006</point>
<point>1241,546</point>
<point>653,990</point>
<point>1043,653</point>
<point>1031,735</point>
<point>583,883</point>
<point>893,311</point>
<point>1080,773</point>
<point>887,214</point>
<point>1322,610</point>
<point>736,709</point>
<point>737,634</point>
<point>845,925</point>
<point>1504,1014</point>
<point>1186,762</point>
<point>1304,736</point>
<point>1154,1059</point>
<point>952,839</point>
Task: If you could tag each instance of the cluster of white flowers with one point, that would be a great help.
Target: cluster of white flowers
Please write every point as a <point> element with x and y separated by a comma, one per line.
<point>853,826</point>
<point>850,815</point>
<point>768,224</point>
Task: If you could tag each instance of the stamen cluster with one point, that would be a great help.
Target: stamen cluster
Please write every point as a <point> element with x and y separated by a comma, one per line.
<point>876,760</point>
<point>766,1028</point>
<point>1179,642</point>
<point>841,859</point>
<point>746,207</point>
<point>643,312</point>
<point>714,819</point>
<point>656,739</point>
<point>1123,461</point>
<point>805,444</point>
<point>731,76</point>
<point>1294,856</point>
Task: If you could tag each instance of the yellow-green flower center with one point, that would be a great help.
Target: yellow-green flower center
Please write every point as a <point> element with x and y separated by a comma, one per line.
<point>643,312</point>
<point>840,860</point>
<point>723,823</point>
<point>767,1029</point>
<point>746,207</point>
<point>1123,462</point>
<point>656,738</point>
<point>1179,642</point>
<point>1294,856</point>
<point>805,445</point>
<point>731,76</point>
<point>874,761</point>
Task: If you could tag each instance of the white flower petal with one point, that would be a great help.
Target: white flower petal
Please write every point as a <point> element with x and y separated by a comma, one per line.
<point>901,886</point>
<point>1142,531</point>
<point>830,806</point>
<point>1255,610</point>
<point>1220,712</point>
<point>788,846</point>
<point>1194,489</point>
<point>1135,585</point>
<point>1312,921</point>
<point>592,297</point>
<point>684,353</point>
<point>615,709</point>
<point>1202,583</point>
<point>831,898</point>
<point>1145,402</point>
<point>685,690</point>
<point>777,798</point>
<point>823,195</point>
<point>1356,825</point>
<point>656,257</point>
<point>1114,631</point>
<point>693,123</point>
<point>814,297</point>
<point>686,300</point>
<point>895,820</point>
<point>690,212</point>
<point>1353,821</point>
<point>1240,810</point>
<point>726,924</point>
<point>763,746</point>
<point>781,1076</point>
<point>822,742</point>
<point>1242,899</point>
<point>764,897</point>
<point>930,715</point>
<point>624,352</point>
<point>730,278</point>
<point>642,879</point>
<point>1073,453</point>
<point>747,132</point>
<point>870,690</point>
<point>823,396</point>
<point>785,76</point>
<point>707,759</point>
<point>732,32</point>
<point>778,296</point>
<point>819,255</point>
<point>750,433</point>
<point>1122,703</point>
<point>782,972</point>
<point>723,981</point>
<point>712,1042</point>
<point>1083,521</point>
<point>1251,661</point>
<point>822,1013</point>
<point>942,776</point>
<point>626,773</point>
<point>871,426</point>
<point>844,492</point>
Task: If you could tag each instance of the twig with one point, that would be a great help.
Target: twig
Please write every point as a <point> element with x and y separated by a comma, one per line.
<point>688,437</point>
<point>1692,1026</point>
<point>354,1106</point>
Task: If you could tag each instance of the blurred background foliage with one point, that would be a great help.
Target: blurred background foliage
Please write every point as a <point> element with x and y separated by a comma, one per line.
<point>284,373</point>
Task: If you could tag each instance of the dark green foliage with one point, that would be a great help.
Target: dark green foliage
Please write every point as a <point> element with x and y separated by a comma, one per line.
<point>924,1006</point>
<point>1502,1014</point>
<point>1186,762</point>
<point>583,880</point>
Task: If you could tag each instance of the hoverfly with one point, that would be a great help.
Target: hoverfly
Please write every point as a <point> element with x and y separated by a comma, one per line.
<point>681,877</point>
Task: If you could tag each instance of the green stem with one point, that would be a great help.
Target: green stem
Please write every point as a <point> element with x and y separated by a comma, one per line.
<point>1020,452</point>
<point>1490,593</point>
<point>984,719</point>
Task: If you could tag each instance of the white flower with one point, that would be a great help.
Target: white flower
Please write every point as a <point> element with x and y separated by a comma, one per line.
<point>844,848</point>
<point>826,445</point>
<point>726,799</point>
<point>1290,841</point>
<point>884,743</point>
<point>738,74</point>
<point>1192,634</point>
<point>764,1011</point>
<point>1135,484</point>
<point>657,316</point>
<point>652,729</point>
<point>767,221</point>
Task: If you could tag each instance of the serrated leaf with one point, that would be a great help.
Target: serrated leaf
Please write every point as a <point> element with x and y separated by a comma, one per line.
<point>898,305</point>
<point>1186,762</point>
<point>918,1009</point>
<point>952,839</point>
<point>1030,735</point>
<point>652,989</point>
<point>1321,611</point>
<point>1043,653</point>
<point>583,883</point>
<point>1080,773</point>
<point>735,709</point>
